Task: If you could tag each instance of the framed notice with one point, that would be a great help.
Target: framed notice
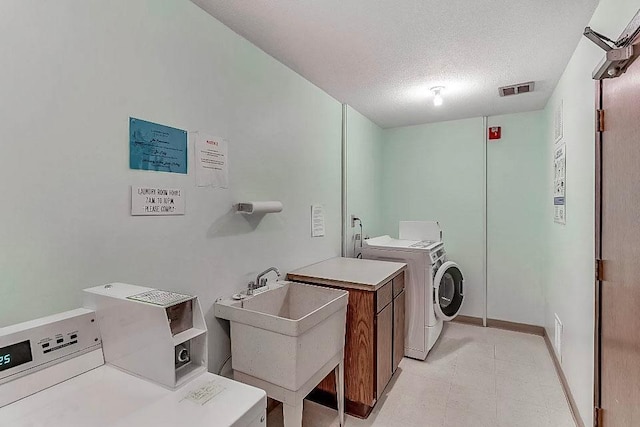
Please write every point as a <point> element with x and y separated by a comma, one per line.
<point>157,147</point>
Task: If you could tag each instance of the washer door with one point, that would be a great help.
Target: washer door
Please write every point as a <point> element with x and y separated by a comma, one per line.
<point>449,291</point>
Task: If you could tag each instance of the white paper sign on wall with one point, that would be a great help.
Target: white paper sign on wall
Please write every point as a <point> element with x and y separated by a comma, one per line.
<point>212,160</point>
<point>560,184</point>
<point>157,201</point>
<point>558,123</point>
<point>317,221</point>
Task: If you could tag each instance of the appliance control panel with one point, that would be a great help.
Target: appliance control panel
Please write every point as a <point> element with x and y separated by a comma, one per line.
<point>30,346</point>
<point>437,254</point>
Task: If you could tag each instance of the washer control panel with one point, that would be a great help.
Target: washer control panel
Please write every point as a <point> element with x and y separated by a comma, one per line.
<point>37,344</point>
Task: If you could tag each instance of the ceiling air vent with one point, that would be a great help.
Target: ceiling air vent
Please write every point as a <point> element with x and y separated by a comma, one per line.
<point>516,89</point>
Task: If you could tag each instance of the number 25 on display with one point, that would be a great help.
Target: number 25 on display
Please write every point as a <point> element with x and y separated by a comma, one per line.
<point>5,360</point>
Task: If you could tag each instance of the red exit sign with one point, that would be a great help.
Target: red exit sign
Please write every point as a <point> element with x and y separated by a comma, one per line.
<point>495,132</point>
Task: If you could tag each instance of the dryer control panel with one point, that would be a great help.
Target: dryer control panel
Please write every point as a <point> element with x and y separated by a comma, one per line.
<point>31,346</point>
<point>437,254</point>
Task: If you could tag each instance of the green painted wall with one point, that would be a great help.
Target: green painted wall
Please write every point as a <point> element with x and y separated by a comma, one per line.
<point>516,207</point>
<point>435,172</point>
<point>570,271</point>
<point>364,177</point>
<point>73,72</point>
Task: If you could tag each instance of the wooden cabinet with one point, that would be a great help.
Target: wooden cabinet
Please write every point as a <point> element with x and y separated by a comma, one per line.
<point>384,353</point>
<point>374,341</point>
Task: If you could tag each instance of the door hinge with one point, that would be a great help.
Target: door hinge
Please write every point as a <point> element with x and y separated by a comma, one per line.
<point>597,416</point>
<point>600,120</point>
<point>599,269</point>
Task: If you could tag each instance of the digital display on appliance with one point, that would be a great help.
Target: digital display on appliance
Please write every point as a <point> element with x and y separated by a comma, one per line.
<point>15,355</point>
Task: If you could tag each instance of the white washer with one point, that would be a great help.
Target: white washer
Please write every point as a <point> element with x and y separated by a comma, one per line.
<point>434,285</point>
<point>53,374</point>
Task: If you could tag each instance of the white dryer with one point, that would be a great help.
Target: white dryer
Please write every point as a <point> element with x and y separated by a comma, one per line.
<point>53,373</point>
<point>434,285</point>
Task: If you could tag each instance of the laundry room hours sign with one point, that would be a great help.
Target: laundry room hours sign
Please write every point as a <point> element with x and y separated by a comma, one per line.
<point>157,201</point>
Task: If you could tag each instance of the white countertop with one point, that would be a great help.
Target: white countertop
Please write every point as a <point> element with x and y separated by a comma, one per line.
<point>108,397</point>
<point>364,274</point>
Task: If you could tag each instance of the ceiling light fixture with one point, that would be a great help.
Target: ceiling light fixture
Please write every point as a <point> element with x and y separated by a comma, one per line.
<point>437,96</point>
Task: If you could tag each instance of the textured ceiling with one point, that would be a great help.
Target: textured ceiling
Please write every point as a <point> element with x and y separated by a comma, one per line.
<point>381,57</point>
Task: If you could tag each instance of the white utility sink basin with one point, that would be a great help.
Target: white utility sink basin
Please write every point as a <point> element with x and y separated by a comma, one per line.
<point>286,339</point>
<point>286,333</point>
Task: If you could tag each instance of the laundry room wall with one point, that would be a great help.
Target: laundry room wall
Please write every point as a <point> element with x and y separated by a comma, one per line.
<point>364,177</point>
<point>516,208</point>
<point>435,172</point>
<point>570,274</point>
<point>72,75</point>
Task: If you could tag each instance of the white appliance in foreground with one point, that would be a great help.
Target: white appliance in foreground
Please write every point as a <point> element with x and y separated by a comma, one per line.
<point>434,285</point>
<point>53,374</point>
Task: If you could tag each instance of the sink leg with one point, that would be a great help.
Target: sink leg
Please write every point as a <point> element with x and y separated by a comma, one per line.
<point>339,373</point>
<point>292,415</point>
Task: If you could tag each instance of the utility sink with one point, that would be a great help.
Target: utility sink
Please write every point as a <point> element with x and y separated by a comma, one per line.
<point>288,335</point>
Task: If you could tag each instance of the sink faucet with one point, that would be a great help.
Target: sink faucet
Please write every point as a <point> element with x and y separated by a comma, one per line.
<point>261,280</point>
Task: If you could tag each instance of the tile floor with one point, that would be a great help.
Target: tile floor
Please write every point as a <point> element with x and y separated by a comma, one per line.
<point>473,377</point>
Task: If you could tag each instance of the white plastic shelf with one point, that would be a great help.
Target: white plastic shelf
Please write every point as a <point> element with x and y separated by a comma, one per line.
<point>187,335</point>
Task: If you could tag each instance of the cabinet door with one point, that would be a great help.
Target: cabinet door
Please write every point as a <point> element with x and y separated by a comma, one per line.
<point>359,351</point>
<point>398,329</point>
<point>384,323</point>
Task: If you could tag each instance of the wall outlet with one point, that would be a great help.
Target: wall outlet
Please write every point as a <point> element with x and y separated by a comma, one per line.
<point>354,218</point>
<point>358,236</point>
<point>557,338</point>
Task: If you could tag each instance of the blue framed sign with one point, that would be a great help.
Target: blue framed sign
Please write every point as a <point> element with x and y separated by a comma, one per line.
<point>156,147</point>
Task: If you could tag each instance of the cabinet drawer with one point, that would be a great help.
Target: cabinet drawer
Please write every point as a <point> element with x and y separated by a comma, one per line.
<point>398,284</point>
<point>384,295</point>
